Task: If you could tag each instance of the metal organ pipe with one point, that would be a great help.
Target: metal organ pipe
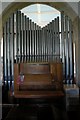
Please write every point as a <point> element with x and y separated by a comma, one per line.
<point>66,47</point>
<point>25,41</point>
<point>53,40</point>
<point>5,53</point>
<point>63,44</point>
<point>11,48</point>
<point>15,38</point>
<point>36,43</point>
<point>18,32</point>
<point>58,39</point>
<point>71,52</point>
<point>22,37</point>
<point>8,53</point>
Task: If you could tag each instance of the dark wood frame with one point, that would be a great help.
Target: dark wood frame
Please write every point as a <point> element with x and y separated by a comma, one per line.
<point>51,72</point>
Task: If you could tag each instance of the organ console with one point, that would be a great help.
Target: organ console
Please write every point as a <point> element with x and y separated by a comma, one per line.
<point>38,80</point>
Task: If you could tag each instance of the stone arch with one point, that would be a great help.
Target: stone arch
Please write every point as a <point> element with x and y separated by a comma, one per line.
<point>61,6</point>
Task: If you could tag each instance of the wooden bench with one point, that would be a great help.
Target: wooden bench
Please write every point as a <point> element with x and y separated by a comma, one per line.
<point>38,80</point>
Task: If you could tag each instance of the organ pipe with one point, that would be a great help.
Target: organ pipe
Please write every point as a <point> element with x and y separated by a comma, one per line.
<point>25,41</point>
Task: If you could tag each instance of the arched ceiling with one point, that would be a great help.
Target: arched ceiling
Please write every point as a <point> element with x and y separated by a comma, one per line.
<point>61,6</point>
<point>41,14</point>
<point>9,8</point>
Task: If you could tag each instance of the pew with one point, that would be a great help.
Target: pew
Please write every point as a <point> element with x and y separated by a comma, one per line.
<point>38,80</point>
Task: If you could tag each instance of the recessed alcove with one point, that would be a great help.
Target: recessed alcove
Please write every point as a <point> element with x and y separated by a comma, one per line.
<point>61,7</point>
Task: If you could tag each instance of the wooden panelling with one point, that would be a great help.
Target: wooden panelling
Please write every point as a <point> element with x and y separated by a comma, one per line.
<point>16,74</point>
<point>37,79</point>
<point>34,68</point>
<point>57,71</point>
<point>42,77</point>
<point>38,94</point>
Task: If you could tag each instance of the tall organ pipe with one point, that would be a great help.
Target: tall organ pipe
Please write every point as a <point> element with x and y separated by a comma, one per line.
<point>71,51</point>
<point>8,53</point>
<point>18,35</point>
<point>11,48</point>
<point>67,47</point>
<point>5,53</point>
<point>63,44</point>
<point>25,39</point>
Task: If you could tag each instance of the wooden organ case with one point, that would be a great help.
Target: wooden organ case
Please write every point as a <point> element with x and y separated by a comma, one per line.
<point>38,80</point>
<point>31,56</point>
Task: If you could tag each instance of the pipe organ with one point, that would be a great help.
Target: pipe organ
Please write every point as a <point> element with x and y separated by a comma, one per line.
<point>34,43</point>
<point>25,41</point>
